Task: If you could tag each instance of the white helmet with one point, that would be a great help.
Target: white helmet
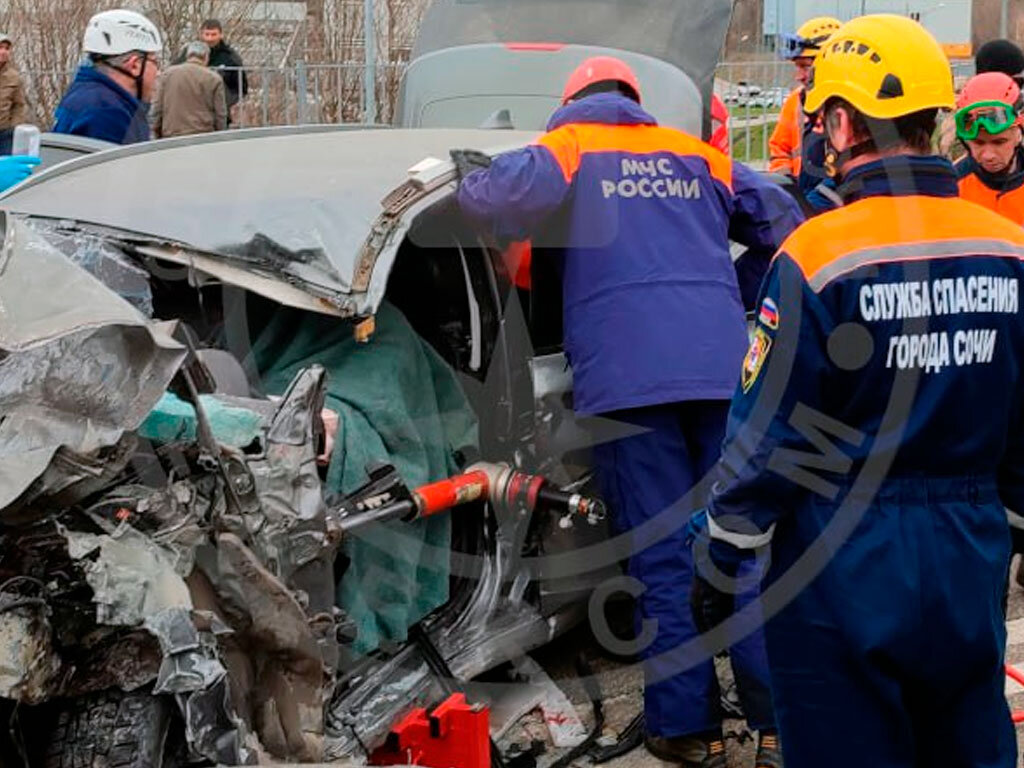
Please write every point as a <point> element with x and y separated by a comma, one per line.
<point>112,33</point>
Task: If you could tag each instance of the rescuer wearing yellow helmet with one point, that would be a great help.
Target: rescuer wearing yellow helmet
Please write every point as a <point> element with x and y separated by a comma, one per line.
<point>854,455</point>
<point>786,146</point>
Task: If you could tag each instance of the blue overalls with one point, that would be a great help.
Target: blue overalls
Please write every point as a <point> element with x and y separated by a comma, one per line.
<point>873,442</point>
<point>654,330</point>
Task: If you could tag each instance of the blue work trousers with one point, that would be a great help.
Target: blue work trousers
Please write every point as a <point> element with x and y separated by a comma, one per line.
<point>646,478</point>
<point>892,655</point>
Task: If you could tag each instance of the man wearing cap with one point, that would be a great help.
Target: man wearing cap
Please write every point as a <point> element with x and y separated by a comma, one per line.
<point>654,332</point>
<point>13,108</point>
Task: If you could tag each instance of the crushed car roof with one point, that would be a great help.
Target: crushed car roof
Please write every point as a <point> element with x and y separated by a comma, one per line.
<point>314,207</point>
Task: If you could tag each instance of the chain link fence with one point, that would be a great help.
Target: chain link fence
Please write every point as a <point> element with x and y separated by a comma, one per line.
<point>754,92</point>
<point>302,93</point>
<point>294,94</point>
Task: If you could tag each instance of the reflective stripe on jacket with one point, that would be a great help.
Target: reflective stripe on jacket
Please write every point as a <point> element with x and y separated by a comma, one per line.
<point>889,346</point>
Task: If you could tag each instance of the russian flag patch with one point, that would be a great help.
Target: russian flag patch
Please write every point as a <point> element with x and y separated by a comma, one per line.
<point>769,314</point>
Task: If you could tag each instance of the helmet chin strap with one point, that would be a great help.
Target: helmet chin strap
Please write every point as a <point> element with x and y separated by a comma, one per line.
<point>834,159</point>
<point>137,78</point>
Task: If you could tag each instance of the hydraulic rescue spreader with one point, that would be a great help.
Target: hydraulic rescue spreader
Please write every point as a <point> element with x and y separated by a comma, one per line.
<point>386,498</point>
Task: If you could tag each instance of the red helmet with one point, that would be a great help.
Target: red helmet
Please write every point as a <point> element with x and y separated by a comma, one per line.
<point>719,124</point>
<point>599,69</point>
<point>991,86</point>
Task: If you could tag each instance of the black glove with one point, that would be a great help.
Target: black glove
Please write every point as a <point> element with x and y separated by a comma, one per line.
<point>712,560</point>
<point>468,160</point>
<point>709,606</point>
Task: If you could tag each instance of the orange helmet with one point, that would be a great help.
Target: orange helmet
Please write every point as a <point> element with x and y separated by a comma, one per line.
<point>990,86</point>
<point>599,69</point>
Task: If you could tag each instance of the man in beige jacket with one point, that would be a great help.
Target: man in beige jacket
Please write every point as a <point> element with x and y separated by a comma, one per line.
<point>13,108</point>
<point>190,97</point>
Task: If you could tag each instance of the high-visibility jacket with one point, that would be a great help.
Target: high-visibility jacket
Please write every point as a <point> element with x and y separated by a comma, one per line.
<point>875,438</point>
<point>1002,194</point>
<point>652,304</point>
<point>784,146</point>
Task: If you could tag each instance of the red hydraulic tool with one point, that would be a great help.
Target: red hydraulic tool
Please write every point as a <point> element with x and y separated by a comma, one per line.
<point>454,735</point>
<point>385,498</point>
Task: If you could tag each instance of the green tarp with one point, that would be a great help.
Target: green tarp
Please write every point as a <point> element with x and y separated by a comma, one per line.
<point>400,403</point>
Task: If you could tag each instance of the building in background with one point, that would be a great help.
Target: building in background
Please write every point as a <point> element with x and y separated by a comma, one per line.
<point>985,20</point>
<point>949,20</point>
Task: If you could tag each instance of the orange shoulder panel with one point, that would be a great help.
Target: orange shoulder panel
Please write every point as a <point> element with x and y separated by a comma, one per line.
<point>649,139</point>
<point>564,145</point>
<point>883,222</point>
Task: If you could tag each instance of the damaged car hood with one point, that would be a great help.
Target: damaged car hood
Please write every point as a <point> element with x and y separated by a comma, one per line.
<point>312,209</point>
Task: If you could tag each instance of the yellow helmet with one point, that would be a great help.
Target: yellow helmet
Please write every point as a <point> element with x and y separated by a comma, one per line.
<point>809,38</point>
<point>885,65</point>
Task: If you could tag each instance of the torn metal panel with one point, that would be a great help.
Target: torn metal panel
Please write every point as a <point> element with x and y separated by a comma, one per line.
<point>104,260</point>
<point>192,671</point>
<point>689,35</point>
<point>190,660</point>
<point>360,718</point>
<point>132,577</point>
<point>253,279</point>
<point>296,540</point>
<point>81,365</point>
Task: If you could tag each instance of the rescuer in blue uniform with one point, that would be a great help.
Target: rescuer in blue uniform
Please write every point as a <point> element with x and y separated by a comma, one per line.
<point>875,438</point>
<point>655,332</point>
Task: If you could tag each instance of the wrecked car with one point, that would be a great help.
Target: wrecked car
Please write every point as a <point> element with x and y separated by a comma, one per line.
<point>195,564</point>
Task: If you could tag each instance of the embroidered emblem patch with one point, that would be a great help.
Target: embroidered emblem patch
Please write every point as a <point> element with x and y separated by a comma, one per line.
<point>754,361</point>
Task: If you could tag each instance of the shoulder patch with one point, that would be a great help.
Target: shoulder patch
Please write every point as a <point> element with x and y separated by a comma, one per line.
<point>760,345</point>
<point>769,314</point>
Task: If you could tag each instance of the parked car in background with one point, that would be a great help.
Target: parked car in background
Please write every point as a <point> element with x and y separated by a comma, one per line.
<point>504,64</point>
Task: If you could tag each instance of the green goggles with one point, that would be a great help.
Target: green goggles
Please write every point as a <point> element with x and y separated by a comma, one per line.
<point>994,116</point>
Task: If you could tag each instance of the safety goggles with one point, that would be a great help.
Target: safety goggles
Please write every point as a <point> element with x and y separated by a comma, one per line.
<point>792,46</point>
<point>994,116</point>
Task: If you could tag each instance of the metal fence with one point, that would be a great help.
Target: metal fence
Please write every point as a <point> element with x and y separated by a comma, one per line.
<point>294,94</point>
<point>302,93</point>
<point>754,92</point>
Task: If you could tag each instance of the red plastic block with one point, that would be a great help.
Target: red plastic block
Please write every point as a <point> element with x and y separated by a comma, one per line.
<point>454,734</point>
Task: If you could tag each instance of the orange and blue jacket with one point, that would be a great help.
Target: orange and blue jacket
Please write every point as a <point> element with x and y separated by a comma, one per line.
<point>882,326</point>
<point>653,309</point>
<point>784,146</point>
<point>1003,194</point>
<point>797,145</point>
